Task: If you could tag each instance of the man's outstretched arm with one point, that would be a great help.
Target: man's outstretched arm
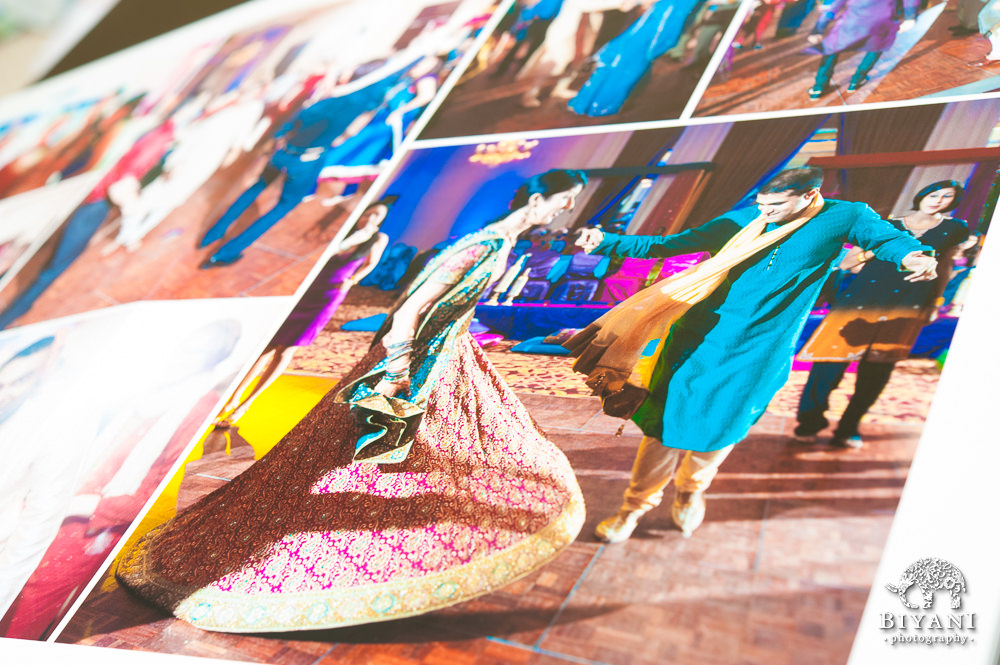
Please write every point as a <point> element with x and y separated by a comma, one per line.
<point>883,241</point>
<point>708,237</point>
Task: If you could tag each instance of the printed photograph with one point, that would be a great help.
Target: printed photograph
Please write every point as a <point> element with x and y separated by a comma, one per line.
<point>621,397</point>
<point>38,34</point>
<point>30,218</point>
<point>95,411</point>
<point>236,169</point>
<point>792,54</point>
<point>54,141</point>
<point>573,63</point>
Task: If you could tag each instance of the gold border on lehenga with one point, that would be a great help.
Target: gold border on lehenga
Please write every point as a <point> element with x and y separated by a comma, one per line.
<point>226,611</point>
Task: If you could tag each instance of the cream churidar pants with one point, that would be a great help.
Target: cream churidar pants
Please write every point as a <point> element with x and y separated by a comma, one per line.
<point>655,465</point>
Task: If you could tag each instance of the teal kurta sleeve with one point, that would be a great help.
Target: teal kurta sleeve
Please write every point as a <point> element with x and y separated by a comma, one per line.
<point>709,237</point>
<point>871,232</point>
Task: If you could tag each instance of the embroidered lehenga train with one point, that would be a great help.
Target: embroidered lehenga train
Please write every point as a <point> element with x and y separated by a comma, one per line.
<point>309,538</point>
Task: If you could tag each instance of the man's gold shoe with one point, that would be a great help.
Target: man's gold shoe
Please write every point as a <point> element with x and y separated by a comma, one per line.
<point>688,511</point>
<point>618,527</point>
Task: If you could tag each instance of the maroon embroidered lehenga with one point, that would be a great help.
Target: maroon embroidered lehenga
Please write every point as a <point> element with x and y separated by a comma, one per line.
<point>307,539</point>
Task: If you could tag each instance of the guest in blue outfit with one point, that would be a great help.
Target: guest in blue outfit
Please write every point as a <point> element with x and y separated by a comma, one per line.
<point>360,156</point>
<point>866,25</point>
<point>793,15</point>
<point>624,61</point>
<point>304,141</point>
<point>720,361</point>
<point>529,33</point>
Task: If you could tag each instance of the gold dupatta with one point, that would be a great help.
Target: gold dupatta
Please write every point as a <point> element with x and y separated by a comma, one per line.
<point>614,350</point>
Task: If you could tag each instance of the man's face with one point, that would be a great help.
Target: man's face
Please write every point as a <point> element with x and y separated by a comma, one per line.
<point>783,206</point>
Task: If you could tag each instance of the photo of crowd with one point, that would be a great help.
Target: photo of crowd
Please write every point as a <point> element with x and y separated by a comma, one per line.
<point>71,489</point>
<point>274,105</point>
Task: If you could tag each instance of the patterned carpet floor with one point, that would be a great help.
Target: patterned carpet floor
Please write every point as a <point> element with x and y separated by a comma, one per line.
<point>906,399</point>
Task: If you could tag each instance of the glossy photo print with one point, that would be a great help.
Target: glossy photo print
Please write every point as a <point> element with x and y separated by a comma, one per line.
<point>574,63</point>
<point>54,143</point>
<point>798,54</point>
<point>603,332</point>
<point>463,437</point>
<point>38,34</point>
<point>96,410</point>
<point>233,175</point>
<point>30,217</point>
<point>83,121</point>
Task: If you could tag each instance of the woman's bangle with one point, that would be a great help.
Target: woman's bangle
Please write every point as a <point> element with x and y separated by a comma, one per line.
<point>398,355</point>
<point>399,348</point>
<point>396,377</point>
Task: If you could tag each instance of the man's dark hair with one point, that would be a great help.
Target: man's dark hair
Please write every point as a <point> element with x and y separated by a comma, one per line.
<point>796,181</point>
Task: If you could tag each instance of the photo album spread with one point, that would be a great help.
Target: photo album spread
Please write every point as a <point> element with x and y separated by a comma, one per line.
<point>496,332</point>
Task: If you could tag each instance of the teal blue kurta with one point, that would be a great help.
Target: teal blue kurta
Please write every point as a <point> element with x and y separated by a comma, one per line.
<point>728,355</point>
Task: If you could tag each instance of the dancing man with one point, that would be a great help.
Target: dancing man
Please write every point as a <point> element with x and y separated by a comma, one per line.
<point>303,144</point>
<point>724,331</point>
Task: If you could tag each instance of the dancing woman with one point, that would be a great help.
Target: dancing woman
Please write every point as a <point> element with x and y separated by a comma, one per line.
<point>418,482</point>
<point>628,58</point>
<point>877,319</point>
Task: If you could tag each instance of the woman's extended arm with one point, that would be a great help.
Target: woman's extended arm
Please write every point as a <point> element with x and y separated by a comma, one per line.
<point>398,341</point>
